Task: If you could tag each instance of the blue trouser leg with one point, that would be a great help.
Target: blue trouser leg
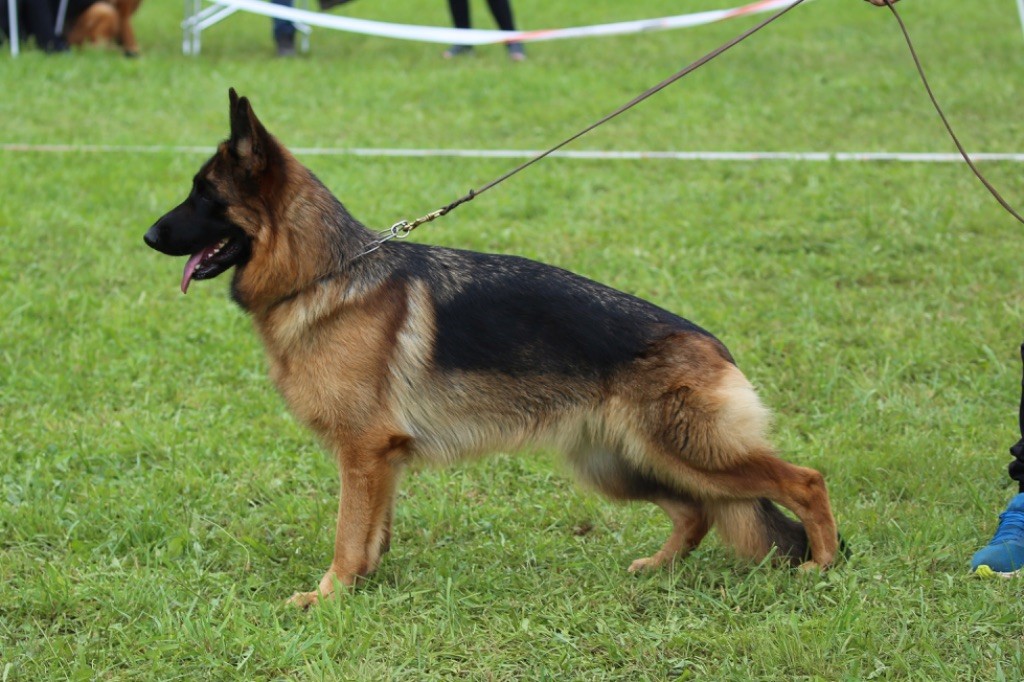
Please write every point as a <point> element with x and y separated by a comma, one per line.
<point>283,30</point>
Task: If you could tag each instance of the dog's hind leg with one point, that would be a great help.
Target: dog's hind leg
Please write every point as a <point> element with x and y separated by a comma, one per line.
<point>369,477</point>
<point>98,24</point>
<point>697,424</point>
<point>799,489</point>
<point>603,467</point>
<point>689,526</point>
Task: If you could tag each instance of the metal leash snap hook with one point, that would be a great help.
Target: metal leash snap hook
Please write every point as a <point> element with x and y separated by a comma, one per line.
<point>400,230</point>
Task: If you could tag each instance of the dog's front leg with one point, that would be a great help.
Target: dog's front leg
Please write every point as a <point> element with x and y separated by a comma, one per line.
<point>368,479</point>
<point>125,10</point>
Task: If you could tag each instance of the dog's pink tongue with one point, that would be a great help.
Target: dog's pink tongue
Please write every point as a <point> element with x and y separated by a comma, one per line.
<point>190,267</point>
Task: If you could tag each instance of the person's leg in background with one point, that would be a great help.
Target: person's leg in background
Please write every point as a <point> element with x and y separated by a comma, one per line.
<point>502,12</point>
<point>36,18</point>
<point>5,30</point>
<point>284,33</point>
<point>1004,554</point>
<point>459,10</point>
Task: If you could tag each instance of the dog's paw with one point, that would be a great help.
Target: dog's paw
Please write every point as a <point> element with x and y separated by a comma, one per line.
<point>648,563</point>
<point>324,591</point>
<point>303,600</point>
<point>811,567</point>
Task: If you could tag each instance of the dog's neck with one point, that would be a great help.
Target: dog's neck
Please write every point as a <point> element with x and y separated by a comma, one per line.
<point>294,259</point>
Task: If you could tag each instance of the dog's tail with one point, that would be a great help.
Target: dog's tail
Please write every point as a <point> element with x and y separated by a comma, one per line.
<point>753,527</point>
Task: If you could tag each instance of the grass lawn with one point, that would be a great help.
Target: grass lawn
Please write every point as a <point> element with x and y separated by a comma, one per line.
<point>158,503</point>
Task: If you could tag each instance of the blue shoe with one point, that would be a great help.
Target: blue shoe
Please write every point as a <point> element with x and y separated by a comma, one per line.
<point>1004,555</point>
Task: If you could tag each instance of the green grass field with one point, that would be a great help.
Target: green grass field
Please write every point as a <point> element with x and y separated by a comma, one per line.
<point>158,503</point>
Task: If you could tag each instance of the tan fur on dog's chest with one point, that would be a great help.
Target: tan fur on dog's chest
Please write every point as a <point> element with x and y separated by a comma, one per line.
<point>338,391</point>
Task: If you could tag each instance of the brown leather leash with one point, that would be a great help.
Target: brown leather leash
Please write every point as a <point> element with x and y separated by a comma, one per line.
<point>928,88</point>
<point>401,229</point>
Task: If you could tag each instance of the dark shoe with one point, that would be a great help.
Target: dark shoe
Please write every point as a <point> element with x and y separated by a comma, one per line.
<point>1004,555</point>
<point>286,46</point>
<point>516,52</point>
<point>457,51</point>
<point>59,44</point>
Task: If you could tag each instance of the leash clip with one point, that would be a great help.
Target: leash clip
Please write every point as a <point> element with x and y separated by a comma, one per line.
<point>400,230</point>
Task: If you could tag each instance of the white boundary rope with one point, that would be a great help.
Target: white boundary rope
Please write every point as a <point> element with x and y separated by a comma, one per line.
<point>899,157</point>
<point>201,20</point>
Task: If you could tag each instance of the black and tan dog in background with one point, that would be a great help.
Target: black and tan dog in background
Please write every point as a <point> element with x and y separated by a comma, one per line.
<point>418,353</point>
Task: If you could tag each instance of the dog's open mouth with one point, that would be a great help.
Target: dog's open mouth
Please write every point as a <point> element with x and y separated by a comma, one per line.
<point>213,260</point>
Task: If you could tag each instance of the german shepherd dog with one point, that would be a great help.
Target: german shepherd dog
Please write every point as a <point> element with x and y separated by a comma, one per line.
<point>408,352</point>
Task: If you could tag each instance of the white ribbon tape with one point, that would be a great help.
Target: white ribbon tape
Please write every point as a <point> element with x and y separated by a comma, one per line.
<point>456,36</point>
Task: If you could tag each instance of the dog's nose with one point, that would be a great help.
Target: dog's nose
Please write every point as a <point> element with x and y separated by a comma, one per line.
<point>151,237</point>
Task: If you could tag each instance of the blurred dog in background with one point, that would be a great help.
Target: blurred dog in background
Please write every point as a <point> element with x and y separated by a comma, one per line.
<point>103,21</point>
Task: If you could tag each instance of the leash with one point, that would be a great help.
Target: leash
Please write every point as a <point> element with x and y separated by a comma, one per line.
<point>938,109</point>
<point>403,228</point>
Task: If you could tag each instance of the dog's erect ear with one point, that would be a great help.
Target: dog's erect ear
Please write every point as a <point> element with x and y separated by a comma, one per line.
<point>232,103</point>
<point>249,139</point>
<point>233,111</point>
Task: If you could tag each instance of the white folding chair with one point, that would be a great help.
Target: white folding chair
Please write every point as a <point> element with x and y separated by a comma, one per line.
<point>62,13</point>
<point>12,26</point>
<point>199,18</point>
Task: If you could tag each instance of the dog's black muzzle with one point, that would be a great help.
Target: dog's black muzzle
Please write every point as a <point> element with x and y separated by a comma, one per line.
<point>152,237</point>
<point>179,233</point>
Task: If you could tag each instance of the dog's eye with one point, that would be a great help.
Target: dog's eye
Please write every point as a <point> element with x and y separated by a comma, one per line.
<point>200,195</point>
<point>202,202</point>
